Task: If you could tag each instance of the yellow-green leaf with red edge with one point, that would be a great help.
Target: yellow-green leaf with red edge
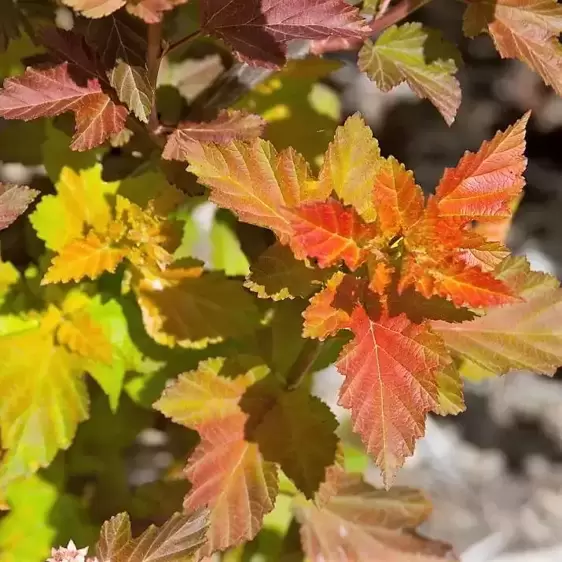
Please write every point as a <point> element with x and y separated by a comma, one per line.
<point>351,164</point>
<point>52,91</point>
<point>359,522</point>
<point>278,275</point>
<point>259,30</point>
<point>420,57</point>
<point>399,201</point>
<point>14,200</point>
<point>177,540</point>
<point>253,180</point>
<point>228,126</point>
<point>523,336</point>
<point>390,384</point>
<point>484,184</point>
<point>527,30</point>
<point>85,257</point>
<point>81,201</point>
<point>308,428</point>
<point>181,307</point>
<point>45,398</point>
<point>227,473</point>
<point>321,317</point>
<point>329,232</point>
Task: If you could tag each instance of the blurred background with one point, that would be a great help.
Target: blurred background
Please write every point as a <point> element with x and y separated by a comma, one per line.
<point>494,473</point>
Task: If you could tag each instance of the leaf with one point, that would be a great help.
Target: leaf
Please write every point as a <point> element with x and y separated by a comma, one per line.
<point>259,30</point>
<point>450,385</point>
<point>189,310</point>
<point>133,88</point>
<point>82,335</point>
<point>226,254</point>
<point>253,181</point>
<point>330,233</point>
<point>50,92</point>
<point>95,8</point>
<point>523,336</point>
<point>228,126</point>
<point>321,319</point>
<point>14,200</point>
<point>390,385</point>
<point>351,166</point>
<point>306,446</point>
<point>176,541</point>
<point>483,185</point>
<point>419,56</point>
<point>227,473</point>
<point>362,523</point>
<point>277,275</point>
<point>152,11</point>
<point>87,257</point>
<point>398,200</point>
<point>81,201</point>
<point>47,400</point>
<point>527,31</point>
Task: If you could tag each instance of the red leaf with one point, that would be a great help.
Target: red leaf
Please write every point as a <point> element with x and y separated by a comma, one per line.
<point>259,30</point>
<point>14,200</point>
<point>228,126</point>
<point>483,184</point>
<point>390,385</point>
<point>329,232</point>
<point>46,93</point>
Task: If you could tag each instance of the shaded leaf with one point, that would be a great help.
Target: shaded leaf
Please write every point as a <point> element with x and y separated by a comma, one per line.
<point>14,200</point>
<point>419,56</point>
<point>228,126</point>
<point>259,30</point>
<point>133,88</point>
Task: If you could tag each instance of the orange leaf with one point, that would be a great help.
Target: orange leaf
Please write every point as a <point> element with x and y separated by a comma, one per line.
<point>484,184</point>
<point>329,232</point>
<point>390,385</point>
<point>398,200</point>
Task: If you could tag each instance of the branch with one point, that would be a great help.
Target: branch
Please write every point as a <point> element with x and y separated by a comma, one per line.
<point>180,42</point>
<point>153,57</point>
<point>303,363</point>
<point>396,14</point>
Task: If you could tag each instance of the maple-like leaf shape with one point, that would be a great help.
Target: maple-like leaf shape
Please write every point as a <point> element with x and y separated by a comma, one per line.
<point>44,402</point>
<point>176,541</point>
<point>524,336</point>
<point>228,474</point>
<point>390,385</point>
<point>419,56</point>
<point>330,233</point>
<point>484,184</point>
<point>259,30</point>
<point>254,181</point>
<point>527,30</point>
<point>181,307</point>
<point>351,164</point>
<point>228,126</point>
<point>14,200</point>
<point>321,318</point>
<point>84,257</point>
<point>278,275</point>
<point>398,200</point>
<point>360,523</point>
<point>50,92</point>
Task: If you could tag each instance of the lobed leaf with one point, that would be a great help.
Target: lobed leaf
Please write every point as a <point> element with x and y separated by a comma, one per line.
<point>258,30</point>
<point>419,56</point>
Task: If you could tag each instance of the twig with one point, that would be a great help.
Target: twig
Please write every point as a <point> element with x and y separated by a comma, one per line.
<point>303,363</point>
<point>180,42</point>
<point>153,65</point>
<point>385,4</point>
<point>396,14</point>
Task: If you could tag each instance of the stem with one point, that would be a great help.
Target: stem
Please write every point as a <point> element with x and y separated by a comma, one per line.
<point>385,4</point>
<point>396,14</point>
<point>183,41</point>
<point>153,65</point>
<point>303,363</point>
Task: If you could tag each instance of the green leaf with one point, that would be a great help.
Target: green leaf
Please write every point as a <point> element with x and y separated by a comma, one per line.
<point>419,56</point>
<point>47,401</point>
<point>294,429</point>
<point>278,275</point>
<point>226,253</point>
<point>133,88</point>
